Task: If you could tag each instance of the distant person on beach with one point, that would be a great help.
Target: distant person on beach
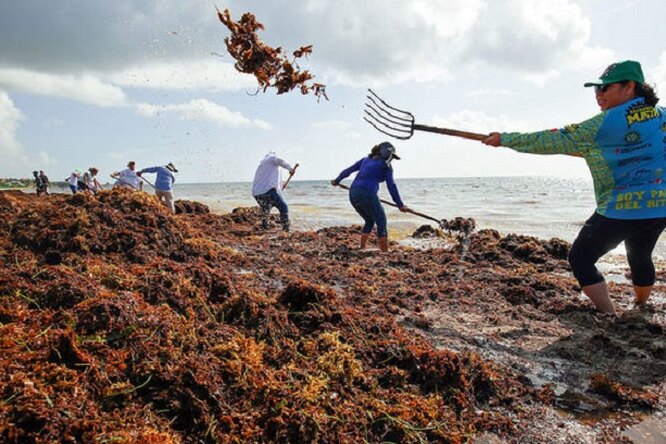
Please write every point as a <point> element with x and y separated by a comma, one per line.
<point>624,149</point>
<point>45,182</point>
<point>372,170</point>
<point>163,183</point>
<point>128,178</point>
<point>39,185</point>
<point>88,182</point>
<point>267,189</point>
<point>73,181</point>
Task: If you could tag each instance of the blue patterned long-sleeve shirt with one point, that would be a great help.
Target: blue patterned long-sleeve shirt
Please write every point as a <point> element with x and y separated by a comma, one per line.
<point>625,150</point>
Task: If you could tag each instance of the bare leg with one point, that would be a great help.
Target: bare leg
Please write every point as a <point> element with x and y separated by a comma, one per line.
<point>642,294</point>
<point>598,294</point>
<point>364,240</point>
<point>383,244</point>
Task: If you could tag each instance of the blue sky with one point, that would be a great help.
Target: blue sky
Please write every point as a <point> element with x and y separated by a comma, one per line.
<point>92,83</point>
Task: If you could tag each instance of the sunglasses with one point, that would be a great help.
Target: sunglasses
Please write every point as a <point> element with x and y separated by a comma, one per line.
<point>602,88</point>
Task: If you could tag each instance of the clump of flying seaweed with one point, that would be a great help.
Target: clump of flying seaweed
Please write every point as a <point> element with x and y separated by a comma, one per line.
<point>269,65</point>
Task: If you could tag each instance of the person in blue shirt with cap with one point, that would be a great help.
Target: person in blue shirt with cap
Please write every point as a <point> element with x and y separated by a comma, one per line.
<point>625,149</point>
<point>163,183</point>
<point>372,170</point>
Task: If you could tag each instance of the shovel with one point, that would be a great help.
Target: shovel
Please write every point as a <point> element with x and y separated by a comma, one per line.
<point>401,124</point>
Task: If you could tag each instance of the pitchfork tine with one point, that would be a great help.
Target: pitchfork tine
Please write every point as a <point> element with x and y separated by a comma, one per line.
<point>387,122</point>
<point>400,133</point>
<point>389,106</point>
<point>395,136</point>
<point>385,132</point>
<point>377,108</point>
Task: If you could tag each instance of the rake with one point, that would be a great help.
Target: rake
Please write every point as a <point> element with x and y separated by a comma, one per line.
<point>425,216</point>
<point>401,124</point>
<point>463,225</point>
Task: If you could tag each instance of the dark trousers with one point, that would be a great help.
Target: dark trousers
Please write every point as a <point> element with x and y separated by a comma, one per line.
<point>269,200</point>
<point>367,205</point>
<point>601,234</point>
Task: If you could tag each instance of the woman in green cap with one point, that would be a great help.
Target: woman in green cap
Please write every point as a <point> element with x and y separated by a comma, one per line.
<point>624,147</point>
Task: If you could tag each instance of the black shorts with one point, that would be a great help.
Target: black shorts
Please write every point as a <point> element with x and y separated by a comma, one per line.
<point>601,234</point>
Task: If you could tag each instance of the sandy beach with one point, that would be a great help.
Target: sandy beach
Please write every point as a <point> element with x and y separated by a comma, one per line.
<point>120,322</point>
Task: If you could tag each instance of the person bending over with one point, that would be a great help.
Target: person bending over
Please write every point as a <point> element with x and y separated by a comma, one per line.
<point>163,183</point>
<point>371,171</point>
<point>267,189</point>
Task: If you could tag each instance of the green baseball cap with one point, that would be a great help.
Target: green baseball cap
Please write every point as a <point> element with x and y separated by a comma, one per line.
<point>619,72</point>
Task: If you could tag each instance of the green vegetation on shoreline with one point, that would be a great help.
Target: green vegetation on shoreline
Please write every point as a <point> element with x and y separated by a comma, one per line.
<point>11,183</point>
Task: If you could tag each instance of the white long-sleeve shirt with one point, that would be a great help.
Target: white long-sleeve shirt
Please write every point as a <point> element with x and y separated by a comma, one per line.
<point>129,177</point>
<point>267,175</point>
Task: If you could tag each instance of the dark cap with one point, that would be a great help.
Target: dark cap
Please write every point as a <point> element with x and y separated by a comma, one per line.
<point>620,72</point>
<point>387,151</point>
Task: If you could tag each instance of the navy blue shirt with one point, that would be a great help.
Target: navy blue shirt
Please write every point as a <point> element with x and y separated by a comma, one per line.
<point>371,172</point>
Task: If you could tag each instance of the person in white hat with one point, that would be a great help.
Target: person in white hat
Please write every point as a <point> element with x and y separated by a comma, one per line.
<point>163,183</point>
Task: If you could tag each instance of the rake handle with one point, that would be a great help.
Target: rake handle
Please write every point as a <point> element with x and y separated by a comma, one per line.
<point>425,216</point>
<point>146,180</point>
<point>451,132</point>
<point>293,170</point>
<point>394,205</point>
<point>381,200</point>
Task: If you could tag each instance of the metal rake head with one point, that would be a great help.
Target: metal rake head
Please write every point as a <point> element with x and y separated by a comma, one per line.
<point>387,119</point>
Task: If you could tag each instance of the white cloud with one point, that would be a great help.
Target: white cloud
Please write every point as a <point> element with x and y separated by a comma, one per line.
<point>332,125</point>
<point>10,117</point>
<point>203,110</point>
<point>84,88</point>
<point>46,159</point>
<point>479,122</point>
<point>488,92</point>
<point>393,41</point>
<point>147,44</point>
<point>536,37</point>
<point>206,74</point>
<point>82,35</point>
<point>381,42</point>
<point>658,76</point>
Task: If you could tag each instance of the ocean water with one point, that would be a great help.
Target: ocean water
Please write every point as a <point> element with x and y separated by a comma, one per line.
<point>544,207</point>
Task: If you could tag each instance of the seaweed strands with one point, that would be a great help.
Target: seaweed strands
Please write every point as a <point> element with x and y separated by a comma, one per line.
<point>269,65</point>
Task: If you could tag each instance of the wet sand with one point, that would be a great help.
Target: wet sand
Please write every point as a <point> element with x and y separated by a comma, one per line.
<point>121,322</point>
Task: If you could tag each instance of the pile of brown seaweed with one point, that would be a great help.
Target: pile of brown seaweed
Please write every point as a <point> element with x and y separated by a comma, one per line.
<point>120,322</point>
<point>270,67</point>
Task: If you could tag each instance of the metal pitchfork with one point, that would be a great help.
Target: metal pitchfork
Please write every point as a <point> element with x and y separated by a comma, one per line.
<point>401,124</point>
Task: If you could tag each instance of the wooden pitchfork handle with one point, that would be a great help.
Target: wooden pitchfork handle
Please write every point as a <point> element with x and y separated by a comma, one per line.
<point>286,182</point>
<point>451,132</point>
<point>425,216</point>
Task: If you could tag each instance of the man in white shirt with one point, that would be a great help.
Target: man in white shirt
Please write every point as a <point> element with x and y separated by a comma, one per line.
<point>128,178</point>
<point>267,189</point>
